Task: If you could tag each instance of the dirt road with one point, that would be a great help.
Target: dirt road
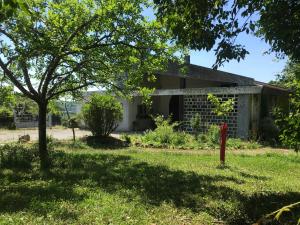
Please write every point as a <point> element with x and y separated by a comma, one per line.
<point>58,133</point>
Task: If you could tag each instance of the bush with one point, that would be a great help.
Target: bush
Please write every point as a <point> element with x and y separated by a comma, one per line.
<point>289,133</point>
<point>16,156</point>
<point>269,132</point>
<point>213,134</point>
<point>102,114</point>
<point>165,135</point>
<point>196,124</point>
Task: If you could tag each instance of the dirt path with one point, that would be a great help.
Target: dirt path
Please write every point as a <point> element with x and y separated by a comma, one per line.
<point>58,133</point>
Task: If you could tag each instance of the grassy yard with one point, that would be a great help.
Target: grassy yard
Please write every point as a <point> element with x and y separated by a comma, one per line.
<point>134,186</point>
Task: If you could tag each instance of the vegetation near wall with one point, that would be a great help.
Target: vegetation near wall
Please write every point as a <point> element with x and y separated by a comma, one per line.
<point>102,114</point>
<point>289,123</point>
<point>166,135</point>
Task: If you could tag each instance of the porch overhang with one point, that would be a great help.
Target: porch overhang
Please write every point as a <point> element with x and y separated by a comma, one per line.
<point>214,90</point>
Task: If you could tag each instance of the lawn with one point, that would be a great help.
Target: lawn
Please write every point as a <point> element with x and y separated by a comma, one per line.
<point>134,186</point>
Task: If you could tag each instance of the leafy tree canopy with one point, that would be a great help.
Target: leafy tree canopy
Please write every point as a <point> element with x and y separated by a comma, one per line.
<point>289,124</point>
<point>9,7</point>
<point>289,77</point>
<point>215,24</point>
<point>65,46</point>
<point>7,101</point>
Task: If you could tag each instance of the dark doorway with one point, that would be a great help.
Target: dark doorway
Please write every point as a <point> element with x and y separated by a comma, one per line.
<point>174,108</point>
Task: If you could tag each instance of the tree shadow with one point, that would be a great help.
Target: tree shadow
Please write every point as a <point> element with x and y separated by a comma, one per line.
<point>19,195</point>
<point>109,143</point>
<point>155,184</point>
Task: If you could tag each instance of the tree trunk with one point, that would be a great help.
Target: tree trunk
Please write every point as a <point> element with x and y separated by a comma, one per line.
<point>43,151</point>
<point>74,137</point>
<point>70,122</point>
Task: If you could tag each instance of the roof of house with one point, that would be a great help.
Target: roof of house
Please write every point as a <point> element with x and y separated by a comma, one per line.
<point>204,73</point>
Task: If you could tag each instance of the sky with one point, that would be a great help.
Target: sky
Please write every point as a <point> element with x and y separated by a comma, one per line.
<point>260,66</point>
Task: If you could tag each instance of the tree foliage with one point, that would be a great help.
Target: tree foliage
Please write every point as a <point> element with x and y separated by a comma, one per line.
<point>9,7</point>
<point>102,114</point>
<point>221,109</point>
<point>195,123</point>
<point>65,46</point>
<point>216,24</point>
<point>7,101</point>
<point>289,123</point>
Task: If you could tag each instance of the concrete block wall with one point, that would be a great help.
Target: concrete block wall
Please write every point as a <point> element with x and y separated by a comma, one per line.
<point>199,104</point>
<point>29,121</point>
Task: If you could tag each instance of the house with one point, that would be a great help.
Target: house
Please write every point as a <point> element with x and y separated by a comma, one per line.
<point>184,95</point>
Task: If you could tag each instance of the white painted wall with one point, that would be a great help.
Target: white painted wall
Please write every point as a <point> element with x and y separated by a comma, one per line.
<point>129,113</point>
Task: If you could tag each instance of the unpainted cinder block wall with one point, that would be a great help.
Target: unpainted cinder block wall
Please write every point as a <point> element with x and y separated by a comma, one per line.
<point>237,120</point>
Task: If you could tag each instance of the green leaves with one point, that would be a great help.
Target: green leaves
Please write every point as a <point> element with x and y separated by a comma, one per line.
<point>9,7</point>
<point>146,96</point>
<point>221,108</point>
<point>280,212</point>
<point>195,123</point>
<point>289,122</point>
<point>102,114</point>
<point>216,24</point>
<point>69,45</point>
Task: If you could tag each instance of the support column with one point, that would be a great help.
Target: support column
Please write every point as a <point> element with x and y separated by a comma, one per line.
<point>243,116</point>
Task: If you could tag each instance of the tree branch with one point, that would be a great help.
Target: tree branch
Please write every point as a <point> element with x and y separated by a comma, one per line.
<point>27,78</point>
<point>69,90</point>
<point>75,32</point>
<point>17,83</point>
<point>56,59</point>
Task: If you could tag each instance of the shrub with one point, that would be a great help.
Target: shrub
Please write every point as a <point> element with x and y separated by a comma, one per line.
<point>165,135</point>
<point>213,134</point>
<point>16,156</point>
<point>289,133</point>
<point>221,108</point>
<point>196,124</point>
<point>102,114</point>
<point>269,132</point>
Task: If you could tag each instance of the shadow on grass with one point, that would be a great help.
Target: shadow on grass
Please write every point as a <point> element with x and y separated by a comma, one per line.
<point>154,184</point>
<point>108,143</point>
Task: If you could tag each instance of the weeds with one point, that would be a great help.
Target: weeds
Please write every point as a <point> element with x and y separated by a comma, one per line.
<point>17,156</point>
<point>166,136</point>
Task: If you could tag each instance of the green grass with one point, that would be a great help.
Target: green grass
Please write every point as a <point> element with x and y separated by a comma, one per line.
<point>134,186</point>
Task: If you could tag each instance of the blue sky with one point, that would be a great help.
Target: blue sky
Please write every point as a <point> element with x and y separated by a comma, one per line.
<point>261,67</point>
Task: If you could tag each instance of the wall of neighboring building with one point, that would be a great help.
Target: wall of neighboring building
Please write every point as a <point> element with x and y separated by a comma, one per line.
<point>29,121</point>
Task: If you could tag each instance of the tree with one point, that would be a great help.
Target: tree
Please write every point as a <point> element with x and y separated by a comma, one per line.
<point>221,109</point>
<point>64,46</point>
<point>216,24</point>
<point>9,7</point>
<point>101,114</point>
<point>7,103</point>
<point>72,121</point>
<point>289,122</point>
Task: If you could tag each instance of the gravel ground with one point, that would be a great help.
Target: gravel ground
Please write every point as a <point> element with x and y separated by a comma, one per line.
<point>58,133</point>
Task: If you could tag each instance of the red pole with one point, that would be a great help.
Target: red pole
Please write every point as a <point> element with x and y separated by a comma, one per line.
<point>223,136</point>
